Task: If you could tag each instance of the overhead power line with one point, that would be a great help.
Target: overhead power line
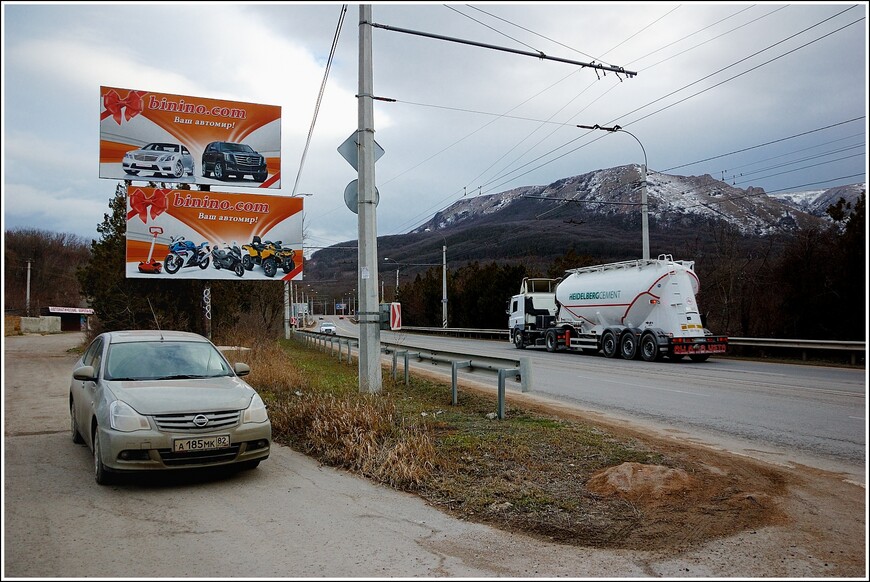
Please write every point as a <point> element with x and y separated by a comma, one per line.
<point>763,144</point>
<point>320,95</point>
<point>538,55</point>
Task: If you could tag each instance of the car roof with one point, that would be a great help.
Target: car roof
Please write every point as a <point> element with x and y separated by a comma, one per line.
<point>151,335</point>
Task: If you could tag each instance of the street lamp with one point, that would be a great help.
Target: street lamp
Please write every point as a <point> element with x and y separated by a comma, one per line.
<point>288,312</point>
<point>643,201</point>
<point>397,273</point>
<point>443,280</point>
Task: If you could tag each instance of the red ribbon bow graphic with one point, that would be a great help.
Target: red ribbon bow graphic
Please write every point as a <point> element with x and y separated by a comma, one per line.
<point>132,105</point>
<point>140,204</point>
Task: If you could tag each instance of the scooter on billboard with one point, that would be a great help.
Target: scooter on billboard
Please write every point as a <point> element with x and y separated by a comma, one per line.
<point>185,253</point>
<point>229,257</point>
<point>150,265</point>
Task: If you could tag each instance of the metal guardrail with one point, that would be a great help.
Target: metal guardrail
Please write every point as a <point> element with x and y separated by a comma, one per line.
<point>853,348</point>
<point>520,368</point>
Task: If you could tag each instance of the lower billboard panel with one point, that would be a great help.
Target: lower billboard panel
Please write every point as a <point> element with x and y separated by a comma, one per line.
<point>193,234</point>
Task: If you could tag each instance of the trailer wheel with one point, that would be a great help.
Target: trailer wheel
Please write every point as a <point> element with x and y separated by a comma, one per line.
<point>628,346</point>
<point>518,339</point>
<point>609,345</point>
<point>649,347</point>
<point>552,341</point>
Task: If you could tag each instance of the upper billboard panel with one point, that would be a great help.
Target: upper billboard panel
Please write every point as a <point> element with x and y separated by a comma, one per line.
<point>174,138</point>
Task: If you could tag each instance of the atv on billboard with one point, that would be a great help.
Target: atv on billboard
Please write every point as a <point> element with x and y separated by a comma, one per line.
<point>194,234</point>
<point>175,138</point>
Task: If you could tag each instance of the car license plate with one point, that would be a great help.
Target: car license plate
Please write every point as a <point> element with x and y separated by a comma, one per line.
<point>208,443</point>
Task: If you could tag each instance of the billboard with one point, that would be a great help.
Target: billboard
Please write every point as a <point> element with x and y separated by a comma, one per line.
<point>164,137</point>
<point>193,234</point>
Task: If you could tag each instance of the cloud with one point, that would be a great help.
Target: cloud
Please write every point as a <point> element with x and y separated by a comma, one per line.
<point>55,210</point>
<point>466,119</point>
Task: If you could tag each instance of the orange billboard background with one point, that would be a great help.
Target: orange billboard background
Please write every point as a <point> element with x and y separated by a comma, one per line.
<point>217,218</point>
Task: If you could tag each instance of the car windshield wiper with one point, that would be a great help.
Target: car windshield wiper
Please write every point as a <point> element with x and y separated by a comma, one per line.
<point>180,377</point>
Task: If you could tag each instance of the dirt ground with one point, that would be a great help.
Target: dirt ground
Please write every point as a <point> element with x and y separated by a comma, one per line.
<point>778,518</point>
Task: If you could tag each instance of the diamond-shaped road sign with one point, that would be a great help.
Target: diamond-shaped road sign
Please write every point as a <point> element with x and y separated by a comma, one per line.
<point>348,150</point>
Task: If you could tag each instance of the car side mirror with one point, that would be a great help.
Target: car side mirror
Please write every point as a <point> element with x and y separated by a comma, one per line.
<point>241,369</point>
<point>85,373</point>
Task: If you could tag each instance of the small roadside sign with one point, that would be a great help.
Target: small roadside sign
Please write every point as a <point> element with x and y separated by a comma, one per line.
<point>349,150</point>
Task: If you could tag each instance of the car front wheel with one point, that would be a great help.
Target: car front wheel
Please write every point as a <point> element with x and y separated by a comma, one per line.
<point>101,474</point>
<point>219,171</point>
<point>73,428</point>
<point>178,169</point>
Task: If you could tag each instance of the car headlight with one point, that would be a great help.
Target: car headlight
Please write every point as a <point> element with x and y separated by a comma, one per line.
<point>122,417</point>
<point>229,157</point>
<point>165,158</point>
<point>128,156</point>
<point>256,411</point>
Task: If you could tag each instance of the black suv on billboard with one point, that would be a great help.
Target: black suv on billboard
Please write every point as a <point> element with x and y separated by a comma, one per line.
<point>226,159</point>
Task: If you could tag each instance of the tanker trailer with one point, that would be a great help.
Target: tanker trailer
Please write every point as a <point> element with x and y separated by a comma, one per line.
<point>640,308</point>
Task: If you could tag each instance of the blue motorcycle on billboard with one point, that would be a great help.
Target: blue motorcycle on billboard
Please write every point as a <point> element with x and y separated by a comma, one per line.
<point>185,253</point>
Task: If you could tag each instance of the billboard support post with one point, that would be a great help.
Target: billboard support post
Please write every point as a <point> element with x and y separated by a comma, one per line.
<point>206,305</point>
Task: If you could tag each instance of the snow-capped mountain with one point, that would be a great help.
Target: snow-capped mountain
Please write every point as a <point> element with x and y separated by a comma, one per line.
<point>670,200</point>
<point>816,202</point>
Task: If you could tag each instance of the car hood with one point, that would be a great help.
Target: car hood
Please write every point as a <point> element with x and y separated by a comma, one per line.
<point>175,396</point>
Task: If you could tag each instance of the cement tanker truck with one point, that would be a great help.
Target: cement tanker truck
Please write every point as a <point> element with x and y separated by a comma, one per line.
<point>641,308</point>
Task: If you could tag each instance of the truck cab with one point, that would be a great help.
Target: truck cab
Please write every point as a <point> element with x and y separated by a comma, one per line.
<point>533,308</point>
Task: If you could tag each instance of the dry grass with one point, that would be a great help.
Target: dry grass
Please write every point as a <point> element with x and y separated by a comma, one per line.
<point>526,473</point>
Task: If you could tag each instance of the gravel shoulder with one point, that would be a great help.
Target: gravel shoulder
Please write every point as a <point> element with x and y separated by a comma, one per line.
<point>814,520</point>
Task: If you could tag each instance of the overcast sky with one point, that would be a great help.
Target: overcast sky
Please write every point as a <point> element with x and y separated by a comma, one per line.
<point>714,82</point>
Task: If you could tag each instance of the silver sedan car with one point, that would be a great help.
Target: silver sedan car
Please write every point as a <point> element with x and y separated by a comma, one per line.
<point>155,400</point>
<point>170,159</point>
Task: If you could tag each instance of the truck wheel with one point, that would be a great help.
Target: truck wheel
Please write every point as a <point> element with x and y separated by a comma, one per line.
<point>699,357</point>
<point>551,341</point>
<point>518,339</point>
<point>628,346</point>
<point>649,347</point>
<point>609,344</point>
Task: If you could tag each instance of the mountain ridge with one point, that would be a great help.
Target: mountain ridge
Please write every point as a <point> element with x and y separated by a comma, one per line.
<point>596,214</point>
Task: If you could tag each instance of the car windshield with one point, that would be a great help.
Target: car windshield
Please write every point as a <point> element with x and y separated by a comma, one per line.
<point>161,147</point>
<point>153,360</point>
<point>237,147</point>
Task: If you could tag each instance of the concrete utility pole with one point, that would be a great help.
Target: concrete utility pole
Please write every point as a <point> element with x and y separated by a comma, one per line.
<point>444,285</point>
<point>370,377</point>
<point>27,302</point>
<point>286,309</point>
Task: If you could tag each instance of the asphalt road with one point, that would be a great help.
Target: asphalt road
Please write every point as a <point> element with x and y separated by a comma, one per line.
<point>289,518</point>
<point>778,412</point>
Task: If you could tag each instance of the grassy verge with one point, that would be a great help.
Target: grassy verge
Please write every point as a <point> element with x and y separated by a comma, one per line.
<point>529,472</point>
